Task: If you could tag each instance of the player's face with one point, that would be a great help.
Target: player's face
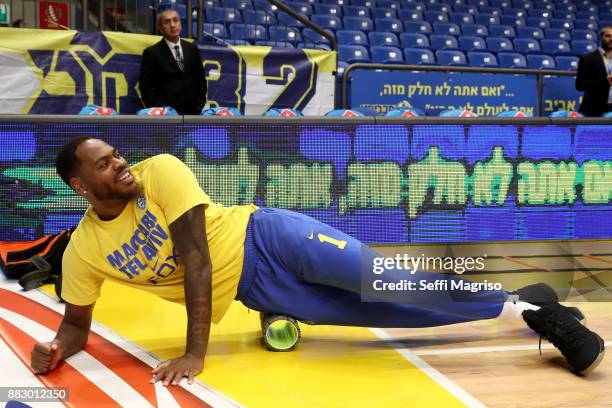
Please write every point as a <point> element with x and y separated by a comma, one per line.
<point>606,39</point>
<point>103,173</point>
<point>170,25</point>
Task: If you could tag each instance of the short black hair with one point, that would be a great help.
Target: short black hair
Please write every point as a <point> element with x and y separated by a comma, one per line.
<point>66,161</point>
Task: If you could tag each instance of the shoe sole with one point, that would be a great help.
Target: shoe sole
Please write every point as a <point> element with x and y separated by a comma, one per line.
<point>598,360</point>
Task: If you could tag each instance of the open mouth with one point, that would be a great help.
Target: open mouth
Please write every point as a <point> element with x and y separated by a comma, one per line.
<point>126,178</point>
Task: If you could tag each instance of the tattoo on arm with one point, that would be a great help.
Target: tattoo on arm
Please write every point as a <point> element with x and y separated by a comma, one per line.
<point>189,236</point>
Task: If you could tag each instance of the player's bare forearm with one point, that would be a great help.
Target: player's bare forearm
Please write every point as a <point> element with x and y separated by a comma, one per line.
<point>189,235</point>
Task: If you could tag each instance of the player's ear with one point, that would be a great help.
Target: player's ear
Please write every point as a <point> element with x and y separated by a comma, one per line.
<point>77,185</point>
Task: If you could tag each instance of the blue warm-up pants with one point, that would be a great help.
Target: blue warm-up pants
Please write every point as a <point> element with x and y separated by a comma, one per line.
<point>300,267</point>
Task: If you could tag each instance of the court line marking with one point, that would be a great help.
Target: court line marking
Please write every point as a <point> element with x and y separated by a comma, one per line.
<point>455,390</point>
<point>490,349</point>
<point>201,390</point>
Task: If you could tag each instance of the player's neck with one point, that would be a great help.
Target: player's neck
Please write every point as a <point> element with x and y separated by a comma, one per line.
<point>110,210</point>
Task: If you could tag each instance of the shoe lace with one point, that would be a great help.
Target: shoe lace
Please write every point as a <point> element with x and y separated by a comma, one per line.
<point>555,325</point>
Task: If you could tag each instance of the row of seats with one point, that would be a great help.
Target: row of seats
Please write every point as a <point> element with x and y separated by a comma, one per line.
<point>254,33</point>
<point>434,5</point>
<point>408,22</point>
<point>418,56</point>
<point>436,12</point>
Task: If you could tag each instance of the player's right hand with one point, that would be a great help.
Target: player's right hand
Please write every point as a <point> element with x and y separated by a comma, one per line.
<point>45,356</point>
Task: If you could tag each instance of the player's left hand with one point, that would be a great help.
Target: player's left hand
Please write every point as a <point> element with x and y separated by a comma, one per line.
<point>171,371</point>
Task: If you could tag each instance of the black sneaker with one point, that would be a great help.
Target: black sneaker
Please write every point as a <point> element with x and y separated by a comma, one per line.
<point>541,294</point>
<point>582,348</point>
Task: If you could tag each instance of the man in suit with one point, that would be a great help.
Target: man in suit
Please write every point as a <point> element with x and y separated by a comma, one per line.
<point>171,73</point>
<point>595,77</point>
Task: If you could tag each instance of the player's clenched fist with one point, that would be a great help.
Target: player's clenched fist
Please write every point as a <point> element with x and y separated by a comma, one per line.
<point>45,356</point>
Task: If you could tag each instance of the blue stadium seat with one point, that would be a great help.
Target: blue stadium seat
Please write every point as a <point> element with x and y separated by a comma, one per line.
<point>540,61</point>
<point>416,6</point>
<point>311,36</point>
<point>391,25</point>
<point>353,53</point>
<point>392,4</point>
<point>502,30</point>
<point>587,8</point>
<point>310,45</point>
<point>232,41</point>
<point>211,3</point>
<point>564,15</point>
<point>265,6</point>
<point>539,22</point>
<point>514,12</point>
<point>512,60</point>
<point>352,37</point>
<point>363,3</point>
<point>581,47</point>
<point>561,23</point>
<point>584,35</point>
<point>443,42</point>
<point>284,34</point>
<point>481,59</point>
<point>539,13</point>
<point>526,45</point>
<point>379,39</point>
<point>451,57</point>
<point>586,15</point>
<point>446,29</point>
<point>303,8</point>
<point>475,29</point>
<point>386,55</point>
<point>419,56</point>
<point>486,19</point>
<point>502,4</point>
<point>566,7</point>
<point>586,25</point>
<point>336,2</point>
<point>222,15</point>
<point>414,40</point>
<point>446,8</point>
<point>556,47</point>
<point>358,23</point>
<point>472,43</point>
<point>286,19</point>
<point>249,32</point>
<point>422,27</point>
<point>543,5</point>
<point>214,30</point>
<point>470,9</point>
<point>530,32</point>
<point>326,21</point>
<point>557,34</point>
<point>460,18</point>
<point>355,11</point>
<point>435,16</point>
<point>477,3</point>
<point>274,44</point>
<point>410,15</point>
<point>490,10</point>
<point>328,9</point>
<point>258,17</point>
<point>566,63</point>
<point>513,21</point>
<point>378,12</point>
<point>238,4</point>
<point>498,44</point>
<point>522,4</point>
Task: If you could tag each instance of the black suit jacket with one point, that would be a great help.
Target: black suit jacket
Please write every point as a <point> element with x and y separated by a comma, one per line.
<point>162,83</point>
<point>592,78</point>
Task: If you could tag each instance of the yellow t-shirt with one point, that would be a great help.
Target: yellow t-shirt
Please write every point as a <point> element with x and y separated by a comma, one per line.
<point>136,248</point>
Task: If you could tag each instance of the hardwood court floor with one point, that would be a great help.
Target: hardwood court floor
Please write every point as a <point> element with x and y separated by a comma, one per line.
<point>488,363</point>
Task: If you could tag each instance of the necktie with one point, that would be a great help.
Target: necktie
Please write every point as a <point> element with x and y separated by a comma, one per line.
<point>179,58</point>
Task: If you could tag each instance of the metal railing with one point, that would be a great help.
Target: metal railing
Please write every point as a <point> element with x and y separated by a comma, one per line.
<point>540,74</point>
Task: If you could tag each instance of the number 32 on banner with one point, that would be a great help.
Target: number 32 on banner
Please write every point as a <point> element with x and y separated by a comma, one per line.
<point>289,68</point>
